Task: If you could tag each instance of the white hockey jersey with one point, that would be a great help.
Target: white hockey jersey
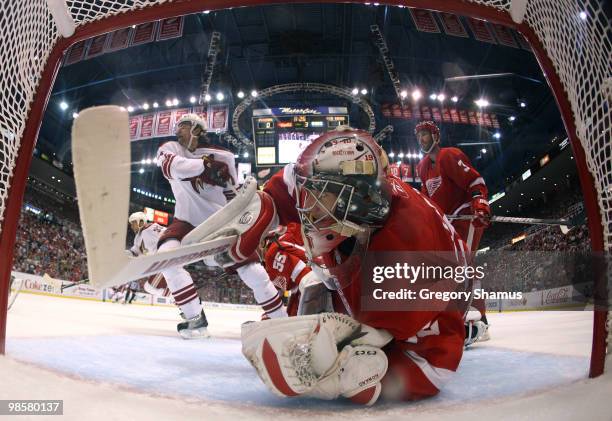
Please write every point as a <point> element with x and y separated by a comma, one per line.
<point>145,242</point>
<point>195,199</point>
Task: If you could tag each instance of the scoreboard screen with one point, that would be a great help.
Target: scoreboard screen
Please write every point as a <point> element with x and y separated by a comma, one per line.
<point>280,134</point>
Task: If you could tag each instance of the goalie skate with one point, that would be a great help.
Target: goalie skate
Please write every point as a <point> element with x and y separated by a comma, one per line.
<point>194,328</point>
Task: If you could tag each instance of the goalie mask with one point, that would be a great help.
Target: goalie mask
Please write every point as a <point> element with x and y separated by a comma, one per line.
<point>188,130</point>
<point>137,221</point>
<point>342,192</point>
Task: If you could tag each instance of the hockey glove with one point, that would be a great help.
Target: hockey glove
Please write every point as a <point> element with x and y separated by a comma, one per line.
<point>322,356</point>
<point>215,173</point>
<point>481,211</point>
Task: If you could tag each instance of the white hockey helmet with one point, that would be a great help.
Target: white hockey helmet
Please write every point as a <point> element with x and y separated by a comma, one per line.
<point>195,121</point>
<point>137,220</point>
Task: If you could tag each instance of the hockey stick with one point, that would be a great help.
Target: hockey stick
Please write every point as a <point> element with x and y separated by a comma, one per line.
<point>564,224</point>
<point>73,284</point>
<point>14,292</point>
<point>101,156</point>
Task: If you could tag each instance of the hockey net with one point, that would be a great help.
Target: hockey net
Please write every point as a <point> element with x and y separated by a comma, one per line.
<point>574,53</point>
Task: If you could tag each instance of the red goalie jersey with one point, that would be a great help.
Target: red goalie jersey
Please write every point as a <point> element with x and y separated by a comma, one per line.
<point>284,260</point>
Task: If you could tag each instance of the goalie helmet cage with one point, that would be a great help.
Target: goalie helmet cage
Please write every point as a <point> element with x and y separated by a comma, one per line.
<point>574,54</point>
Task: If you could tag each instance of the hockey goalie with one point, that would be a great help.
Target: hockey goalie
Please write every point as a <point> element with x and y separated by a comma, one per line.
<point>349,206</point>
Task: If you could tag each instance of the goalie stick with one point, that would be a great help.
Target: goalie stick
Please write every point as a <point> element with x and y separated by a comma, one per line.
<point>101,157</point>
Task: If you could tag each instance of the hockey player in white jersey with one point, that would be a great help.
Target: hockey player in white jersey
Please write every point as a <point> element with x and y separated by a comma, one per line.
<point>202,177</point>
<point>146,237</point>
<point>199,175</point>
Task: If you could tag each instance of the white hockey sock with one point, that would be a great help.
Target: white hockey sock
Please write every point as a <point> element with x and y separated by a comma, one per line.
<point>181,285</point>
<point>255,277</point>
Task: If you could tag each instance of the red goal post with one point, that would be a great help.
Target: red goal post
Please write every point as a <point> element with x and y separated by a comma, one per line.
<point>574,54</point>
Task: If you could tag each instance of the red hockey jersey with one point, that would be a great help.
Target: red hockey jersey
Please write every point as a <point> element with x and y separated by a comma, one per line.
<point>428,344</point>
<point>285,262</point>
<point>280,186</point>
<point>450,181</point>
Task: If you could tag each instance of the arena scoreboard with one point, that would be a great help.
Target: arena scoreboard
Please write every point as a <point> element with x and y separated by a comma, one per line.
<point>280,134</point>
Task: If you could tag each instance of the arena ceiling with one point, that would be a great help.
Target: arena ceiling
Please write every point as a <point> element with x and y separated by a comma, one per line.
<point>322,43</point>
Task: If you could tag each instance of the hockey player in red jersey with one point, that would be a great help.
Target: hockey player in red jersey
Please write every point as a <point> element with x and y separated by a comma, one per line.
<point>349,207</point>
<point>451,181</point>
<point>285,261</point>
<point>281,187</point>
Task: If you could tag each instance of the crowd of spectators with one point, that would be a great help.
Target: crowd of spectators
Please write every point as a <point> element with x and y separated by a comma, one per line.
<point>50,241</point>
<point>544,258</point>
<point>45,245</point>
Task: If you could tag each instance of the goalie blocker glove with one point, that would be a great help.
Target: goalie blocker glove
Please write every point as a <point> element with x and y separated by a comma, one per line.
<point>322,356</point>
<point>250,217</point>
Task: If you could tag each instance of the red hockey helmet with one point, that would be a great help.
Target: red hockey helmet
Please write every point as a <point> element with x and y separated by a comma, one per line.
<point>430,127</point>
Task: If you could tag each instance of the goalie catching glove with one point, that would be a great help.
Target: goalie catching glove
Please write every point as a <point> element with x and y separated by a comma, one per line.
<point>322,356</point>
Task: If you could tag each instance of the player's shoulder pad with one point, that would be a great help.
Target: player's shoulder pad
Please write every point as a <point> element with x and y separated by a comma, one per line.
<point>451,153</point>
<point>210,148</point>
<point>169,146</point>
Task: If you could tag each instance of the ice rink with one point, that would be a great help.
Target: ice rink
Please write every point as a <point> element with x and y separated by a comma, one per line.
<point>112,361</point>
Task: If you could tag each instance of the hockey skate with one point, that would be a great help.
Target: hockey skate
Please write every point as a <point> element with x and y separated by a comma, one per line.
<point>194,328</point>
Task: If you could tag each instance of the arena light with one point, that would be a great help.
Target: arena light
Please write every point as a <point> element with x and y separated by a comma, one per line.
<point>192,99</point>
<point>75,115</point>
<point>483,150</point>
<point>481,102</point>
<point>420,155</point>
<point>522,104</point>
<point>145,106</point>
<point>455,98</point>
<point>364,91</point>
<point>240,94</point>
<point>416,94</point>
<point>245,155</point>
<point>400,155</point>
<point>355,91</point>
<point>168,103</point>
<point>254,93</point>
<point>403,94</point>
<point>175,102</point>
<point>63,105</point>
<point>122,108</point>
<point>583,15</point>
<point>141,171</point>
<point>148,161</point>
<point>207,97</point>
<point>497,135</point>
<point>130,108</point>
<point>220,96</point>
<point>155,105</point>
<point>433,97</point>
<point>441,97</point>
<point>511,118</point>
<point>391,154</point>
<point>206,12</point>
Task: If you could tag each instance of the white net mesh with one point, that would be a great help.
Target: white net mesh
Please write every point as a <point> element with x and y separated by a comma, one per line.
<point>580,50</point>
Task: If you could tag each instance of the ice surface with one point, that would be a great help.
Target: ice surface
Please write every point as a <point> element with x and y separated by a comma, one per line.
<point>130,356</point>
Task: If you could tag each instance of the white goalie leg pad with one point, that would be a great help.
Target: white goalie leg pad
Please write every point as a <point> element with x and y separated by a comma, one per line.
<point>299,356</point>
